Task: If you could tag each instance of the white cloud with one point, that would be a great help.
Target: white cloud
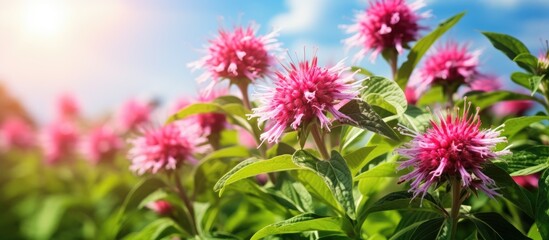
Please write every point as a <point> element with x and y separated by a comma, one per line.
<point>302,15</point>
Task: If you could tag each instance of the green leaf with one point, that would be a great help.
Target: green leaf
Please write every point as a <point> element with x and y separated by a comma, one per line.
<point>421,47</point>
<point>527,161</point>
<point>509,45</point>
<point>301,223</point>
<point>48,217</point>
<point>380,91</point>
<point>522,79</point>
<point>429,229</point>
<point>386,169</point>
<point>140,191</point>
<point>252,167</point>
<point>527,59</point>
<point>365,117</point>
<point>487,99</point>
<point>507,187</point>
<point>361,70</point>
<point>542,205</point>
<point>196,108</point>
<point>534,82</point>
<point>158,229</point>
<point>228,152</point>
<point>403,200</point>
<point>494,226</point>
<point>336,175</point>
<point>416,119</point>
<point>514,125</point>
<point>317,188</point>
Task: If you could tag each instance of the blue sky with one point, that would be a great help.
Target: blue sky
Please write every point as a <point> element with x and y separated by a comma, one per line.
<point>113,50</point>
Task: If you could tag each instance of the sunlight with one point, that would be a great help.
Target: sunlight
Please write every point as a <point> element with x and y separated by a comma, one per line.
<point>45,19</point>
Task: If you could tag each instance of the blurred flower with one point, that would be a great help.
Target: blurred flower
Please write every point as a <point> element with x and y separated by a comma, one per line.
<point>134,114</point>
<point>512,108</point>
<point>245,138</point>
<point>453,147</point>
<point>160,207</point>
<point>486,83</point>
<point>16,133</point>
<point>411,95</point>
<point>304,94</point>
<point>240,55</point>
<point>101,144</point>
<point>449,65</point>
<point>166,147</point>
<point>386,24</point>
<point>527,181</point>
<point>67,107</point>
<point>210,123</point>
<point>262,179</point>
<point>59,141</point>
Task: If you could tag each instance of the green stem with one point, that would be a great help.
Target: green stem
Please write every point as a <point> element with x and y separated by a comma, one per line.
<point>317,136</point>
<point>394,68</point>
<point>183,195</point>
<point>245,99</point>
<point>545,90</point>
<point>456,204</point>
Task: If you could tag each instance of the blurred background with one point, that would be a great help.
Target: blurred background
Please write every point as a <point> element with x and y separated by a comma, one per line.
<point>104,51</point>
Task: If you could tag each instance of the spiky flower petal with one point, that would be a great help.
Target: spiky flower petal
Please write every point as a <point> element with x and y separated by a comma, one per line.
<point>386,24</point>
<point>101,144</point>
<point>454,146</point>
<point>303,94</point>
<point>165,148</point>
<point>240,55</point>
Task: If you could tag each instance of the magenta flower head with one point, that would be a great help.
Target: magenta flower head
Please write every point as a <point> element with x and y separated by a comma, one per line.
<point>16,133</point>
<point>240,55</point>
<point>101,144</point>
<point>160,207</point>
<point>386,24</point>
<point>210,123</point>
<point>304,94</point>
<point>512,108</point>
<point>486,83</point>
<point>67,107</point>
<point>59,142</point>
<point>455,147</point>
<point>450,65</point>
<point>527,181</point>
<point>165,148</point>
<point>134,114</point>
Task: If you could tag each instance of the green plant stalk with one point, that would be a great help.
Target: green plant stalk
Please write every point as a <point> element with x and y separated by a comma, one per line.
<point>545,90</point>
<point>456,204</point>
<point>244,90</point>
<point>394,68</point>
<point>183,195</point>
<point>319,140</point>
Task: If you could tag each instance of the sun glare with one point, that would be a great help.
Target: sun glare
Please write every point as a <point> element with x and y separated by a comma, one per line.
<point>44,19</point>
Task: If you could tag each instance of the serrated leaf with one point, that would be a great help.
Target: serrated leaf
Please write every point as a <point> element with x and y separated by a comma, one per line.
<point>380,91</point>
<point>364,116</point>
<point>301,223</point>
<point>252,167</point>
<point>336,175</point>
<point>507,187</point>
<point>542,205</point>
<point>527,161</point>
<point>421,47</point>
<point>514,125</point>
<point>494,226</point>
<point>509,45</point>
<point>416,119</point>
<point>429,229</point>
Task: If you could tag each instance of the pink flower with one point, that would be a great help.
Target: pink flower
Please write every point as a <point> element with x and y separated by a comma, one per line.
<point>101,144</point>
<point>59,142</point>
<point>543,61</point>
<point>67,107</point>
<point>16,133</point>
<point>304,94</point>
<point>239,55</point>
<point>411,95</point>
<point>449,65</point>
<point>512,108</point>
<point>386,24</point>
<point>486,83</point>
<point>527,181</point>
<point>135,114</point>
<point>245,138</point>
<point>210,123</point>
<point>453,147</point>
<point>160,207</point>
<point>166,147</point>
